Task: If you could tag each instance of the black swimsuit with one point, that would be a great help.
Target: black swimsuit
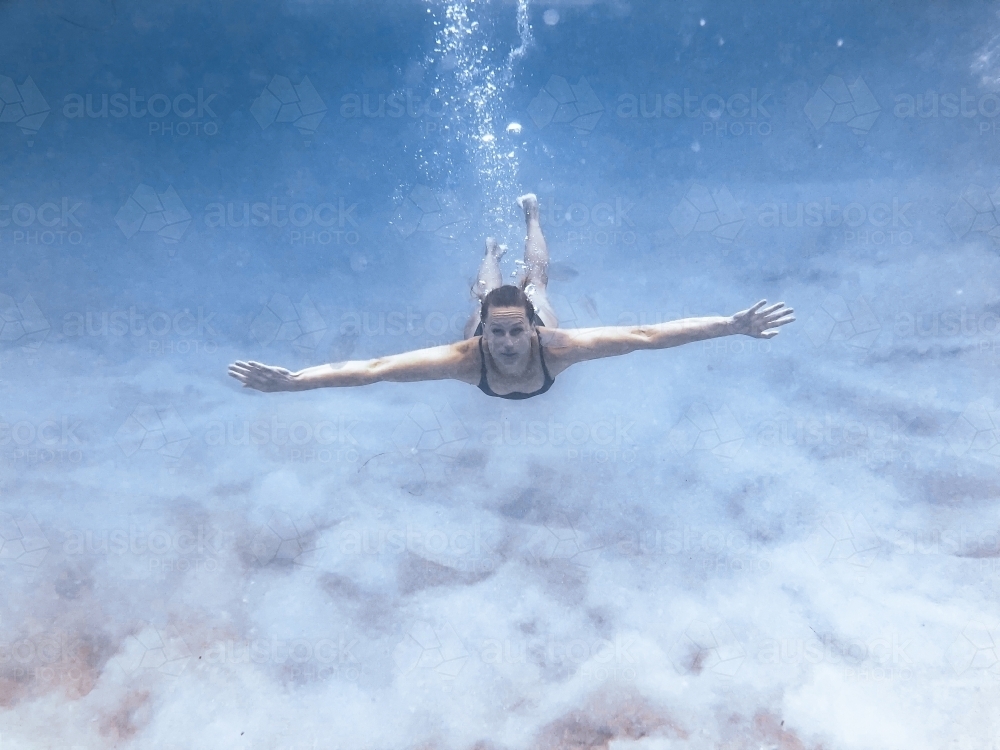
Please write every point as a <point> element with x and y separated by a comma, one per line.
<point>484,386</point>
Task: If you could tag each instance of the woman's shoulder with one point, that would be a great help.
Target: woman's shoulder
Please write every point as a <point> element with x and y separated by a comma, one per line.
<point>468,359</point>
<point>553,336</point>
<point>556,344</point>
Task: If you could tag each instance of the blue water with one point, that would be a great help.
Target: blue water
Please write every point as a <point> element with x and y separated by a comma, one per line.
<point>738,543</point>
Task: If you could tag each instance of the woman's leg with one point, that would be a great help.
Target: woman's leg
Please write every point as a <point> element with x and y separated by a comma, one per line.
<point>489,278</point>
<point>536,262</point>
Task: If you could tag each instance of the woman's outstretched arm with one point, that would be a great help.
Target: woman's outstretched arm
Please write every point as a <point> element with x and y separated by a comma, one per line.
<point>579,345</point>
<point>454,361</point>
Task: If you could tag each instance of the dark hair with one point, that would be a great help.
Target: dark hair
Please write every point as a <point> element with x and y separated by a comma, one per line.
<point>507,296</point>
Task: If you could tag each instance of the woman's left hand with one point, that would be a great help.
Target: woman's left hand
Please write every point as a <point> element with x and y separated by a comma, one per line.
<point>761,323</point>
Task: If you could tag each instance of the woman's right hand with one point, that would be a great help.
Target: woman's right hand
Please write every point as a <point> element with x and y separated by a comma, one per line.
<point>263,377</point>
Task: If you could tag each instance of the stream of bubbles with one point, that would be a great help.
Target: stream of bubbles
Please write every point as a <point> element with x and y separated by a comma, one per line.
<point>472,77</point>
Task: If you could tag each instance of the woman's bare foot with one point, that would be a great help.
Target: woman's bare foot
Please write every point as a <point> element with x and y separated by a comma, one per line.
<point>529,202</point>
<point>489,276</point>
<point>494,249</point>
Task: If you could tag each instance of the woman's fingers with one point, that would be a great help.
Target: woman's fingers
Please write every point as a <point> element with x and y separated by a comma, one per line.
<point>777,316</point>
<point>251,367</point>
<point>749,312</point>
<point>772,329</point>
<point>256,375</point>
<point>781,321</point>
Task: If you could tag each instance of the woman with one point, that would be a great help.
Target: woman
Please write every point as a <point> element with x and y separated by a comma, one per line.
<point>517,348</point>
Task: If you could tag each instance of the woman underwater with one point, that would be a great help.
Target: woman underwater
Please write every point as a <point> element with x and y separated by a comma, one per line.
<point>513,346</point>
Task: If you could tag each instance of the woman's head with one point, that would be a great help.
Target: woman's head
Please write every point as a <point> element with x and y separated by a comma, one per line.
<point>507,296</point>
<point>507,316</point>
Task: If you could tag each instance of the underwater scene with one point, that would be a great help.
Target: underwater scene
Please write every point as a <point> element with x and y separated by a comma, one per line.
<point>499,375</point>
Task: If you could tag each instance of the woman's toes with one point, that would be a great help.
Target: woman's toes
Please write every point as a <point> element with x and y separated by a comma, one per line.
<point>529,202</point>
<point>494,248</point>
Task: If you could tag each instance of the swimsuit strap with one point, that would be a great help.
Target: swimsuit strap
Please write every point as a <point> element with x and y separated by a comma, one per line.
<point>549,380</point>
<point>484,385</point>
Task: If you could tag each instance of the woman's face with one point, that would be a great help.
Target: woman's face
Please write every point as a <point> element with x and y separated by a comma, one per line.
<point>508,334</point>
